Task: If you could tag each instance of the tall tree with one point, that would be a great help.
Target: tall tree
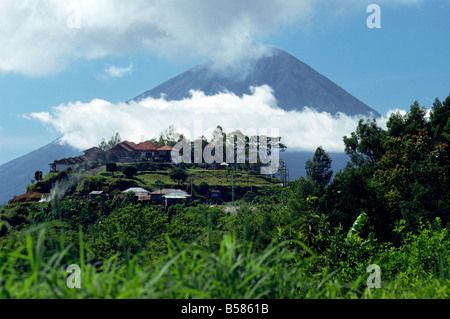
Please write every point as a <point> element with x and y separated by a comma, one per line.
<point>365,144</point>
<point>440,121</point>
<point>178,175</point>
<point>318,170</point>
<point>38,175</point>
<point>410,123</point>
<point>111,167</point>
<point>114,140</point>
<point>413,177</point>
<point>170,136</point>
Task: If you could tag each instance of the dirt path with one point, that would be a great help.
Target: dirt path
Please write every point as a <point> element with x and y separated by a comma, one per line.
<point>94,171</point>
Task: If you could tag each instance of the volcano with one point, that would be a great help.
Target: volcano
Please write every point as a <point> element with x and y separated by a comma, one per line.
<point>295,85</point>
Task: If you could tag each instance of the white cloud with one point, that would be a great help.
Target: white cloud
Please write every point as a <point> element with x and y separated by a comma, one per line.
<point>42,36</point>
<point>83,125</point>
<point>117,72</point>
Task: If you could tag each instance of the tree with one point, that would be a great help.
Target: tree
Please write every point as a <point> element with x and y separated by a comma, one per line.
<point>440,120</point>
<point>106,145</point>
<point>413,177</point>
<point>129,230</point>
<point>249,196</point>
<point>203,187</point>
<point>129,171</point>
<point>349,194</point>
<point>318,170</point>
<point>111,167</point>
<point>38,175</point>
<point>365,145</point>
<point>178,175</point>
<point>410,123</point>
<point>160,185</point>
<point>170,136</point>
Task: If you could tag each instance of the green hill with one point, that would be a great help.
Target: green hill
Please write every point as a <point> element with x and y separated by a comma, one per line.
<point>81,182</point>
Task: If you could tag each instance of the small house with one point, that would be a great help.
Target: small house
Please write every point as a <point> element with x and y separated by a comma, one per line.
<point>65,163</point>
<point>164,153</point>
<point>215,194</point>
<point>60,165</point>
<point>157,196</point>
<point>93,195</point>
<point>177,196</point>
<point>94,154</point>
<point>141,194</point>
<point>124,151</point>
<point>148,149</point>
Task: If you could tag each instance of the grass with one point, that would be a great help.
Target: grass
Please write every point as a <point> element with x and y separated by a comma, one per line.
<point>213,178</point>
<point>189,271</point>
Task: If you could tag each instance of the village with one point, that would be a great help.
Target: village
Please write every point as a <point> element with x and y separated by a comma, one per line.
<point>129,152</point>
<point>214,183</point>
<point>122,152</point>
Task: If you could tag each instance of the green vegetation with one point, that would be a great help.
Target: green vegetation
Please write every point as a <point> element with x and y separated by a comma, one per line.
<point>178,175</point>
<point>129,171</point>
<point>313,238</point>
<point>113,141</point>
<point>111,167</point>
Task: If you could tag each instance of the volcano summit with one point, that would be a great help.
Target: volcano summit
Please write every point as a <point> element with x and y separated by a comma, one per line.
<point>295,85</point>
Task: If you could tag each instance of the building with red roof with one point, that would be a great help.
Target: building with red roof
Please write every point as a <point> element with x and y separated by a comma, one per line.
<point>125,151</point>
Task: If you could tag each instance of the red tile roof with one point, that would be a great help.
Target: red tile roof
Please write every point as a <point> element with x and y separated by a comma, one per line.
<point>165,148</point>
<point>130,145</point>
<point>146,146</point>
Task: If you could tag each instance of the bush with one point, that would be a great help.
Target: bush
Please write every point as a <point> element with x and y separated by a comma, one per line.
<point>111,167</point>
<point>179,175</point>
<point>249,196</point>
<point>129,171</point>
<point>203,188</point>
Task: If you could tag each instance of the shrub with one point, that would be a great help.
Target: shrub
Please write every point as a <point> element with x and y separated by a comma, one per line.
<point>111,167</point>
<point>129,171</point>
<point>203,188</point>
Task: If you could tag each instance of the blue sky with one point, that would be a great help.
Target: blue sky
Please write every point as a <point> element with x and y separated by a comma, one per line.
<point>109,52</point>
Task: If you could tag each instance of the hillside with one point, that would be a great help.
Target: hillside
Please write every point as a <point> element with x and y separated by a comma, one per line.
<point>16,174</point>
<point>81,183</point>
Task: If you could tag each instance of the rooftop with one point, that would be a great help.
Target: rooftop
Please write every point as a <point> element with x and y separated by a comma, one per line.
<point>165,148</point>
<point>146,146</point>
<point>94,149</point>
<point>177,193</point>
<point>136,190</point>
<point>163,191</point>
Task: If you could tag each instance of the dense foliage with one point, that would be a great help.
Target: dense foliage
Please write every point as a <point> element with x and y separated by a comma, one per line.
<point>313,238</point>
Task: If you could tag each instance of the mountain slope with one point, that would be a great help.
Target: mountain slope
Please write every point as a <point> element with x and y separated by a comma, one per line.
<point>16,174</point>
<point>295,85</point>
